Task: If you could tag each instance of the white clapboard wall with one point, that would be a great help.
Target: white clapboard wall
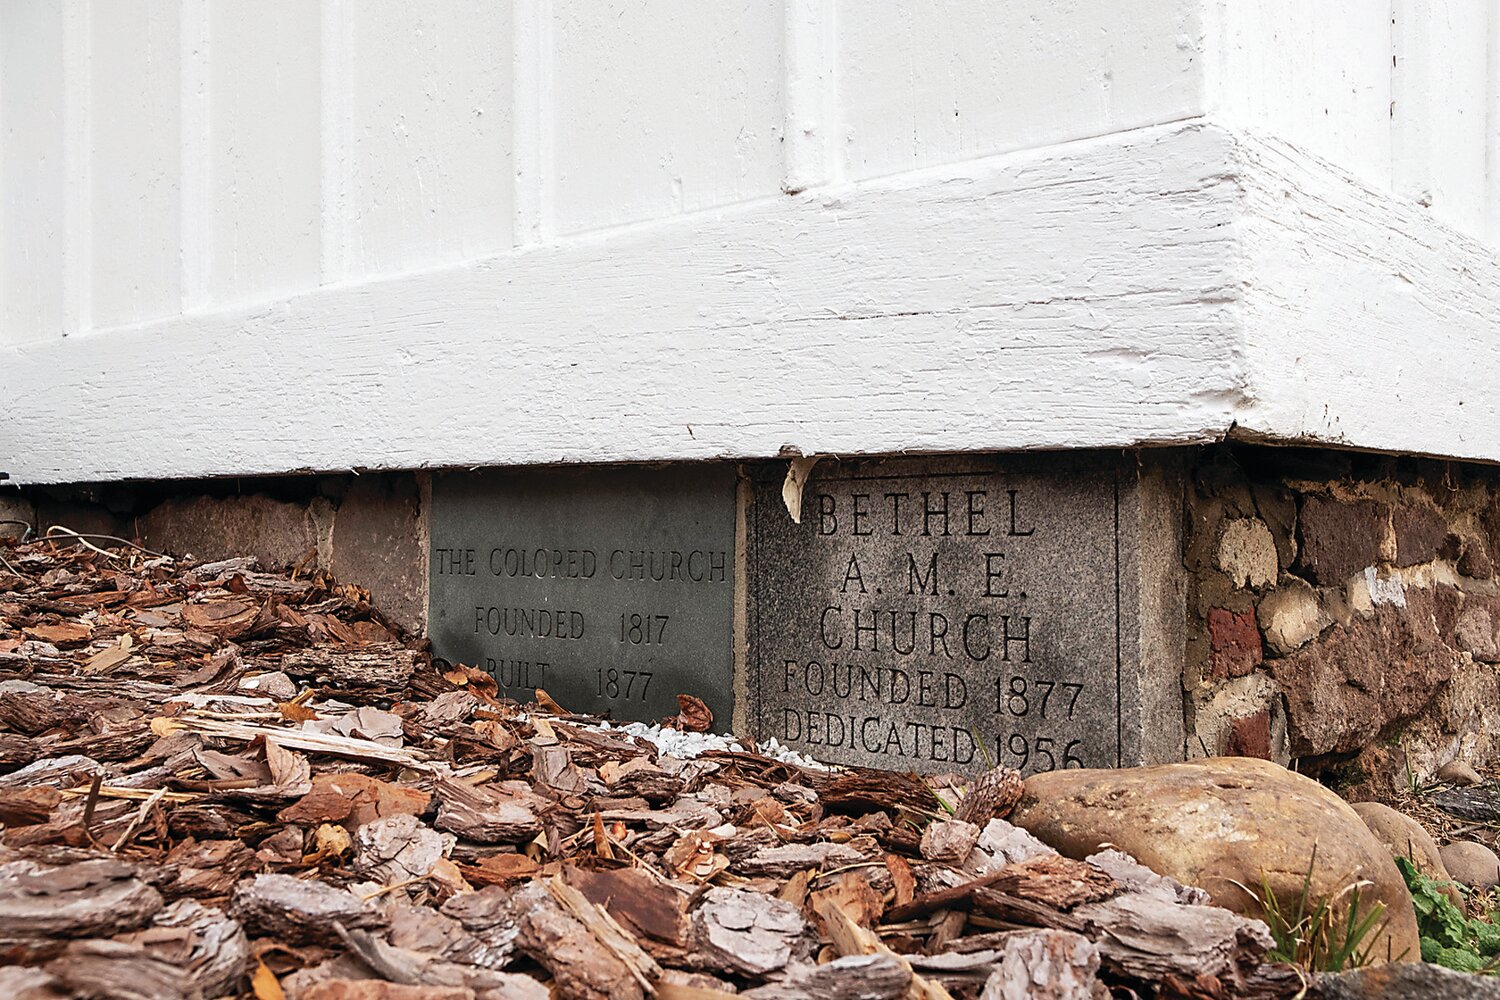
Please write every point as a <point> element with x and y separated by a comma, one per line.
<point>371,180</point>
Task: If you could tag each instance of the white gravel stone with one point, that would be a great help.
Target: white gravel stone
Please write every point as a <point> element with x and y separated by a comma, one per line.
<point>686,745</point>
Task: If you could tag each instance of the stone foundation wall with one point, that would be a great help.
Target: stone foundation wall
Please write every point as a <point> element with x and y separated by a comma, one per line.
<point>1343,610</point>
<point>367,529</point>
<point>1344,613</point>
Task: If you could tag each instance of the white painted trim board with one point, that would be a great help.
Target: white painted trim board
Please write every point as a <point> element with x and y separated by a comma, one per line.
<point>1148,287</point>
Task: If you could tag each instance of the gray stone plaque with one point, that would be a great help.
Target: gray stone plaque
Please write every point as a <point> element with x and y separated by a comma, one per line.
<point>942,614</point>
<point>612,589</point>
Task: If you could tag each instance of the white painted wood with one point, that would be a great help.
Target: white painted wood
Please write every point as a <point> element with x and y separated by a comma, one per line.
<point>813,154</point>
<point>1440,96</point>
<point>260,209</point>
<point>532,124</point>
<point>1492,134</point>
<point>196,213</point>
<point>1317,74</point>
<point>426,86</point>
<point>1078,296</point>
<point>664,107</point>
<point>432,233</point>
<point>77,168</point>
<point>134,162</point>
<point>1367,322</point>
<point>932,81</point>
<point>336,141</point>
<point>33,237</point>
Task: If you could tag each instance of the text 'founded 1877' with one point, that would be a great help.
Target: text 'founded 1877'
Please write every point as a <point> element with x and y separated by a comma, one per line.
<point>940,615</point>
<point>611,589</point>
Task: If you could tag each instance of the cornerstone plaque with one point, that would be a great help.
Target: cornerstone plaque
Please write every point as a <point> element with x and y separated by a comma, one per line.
<point>612,589</point>
<point>950,614</point>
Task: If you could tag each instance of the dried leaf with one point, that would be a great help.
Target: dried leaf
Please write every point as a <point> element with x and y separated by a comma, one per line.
<point>264,985</point>
<point>329,841</point>
<point>901,876</point>
<point>545,702</point>
<point>601,839</point>
<point>693,715</point>
<point>291,711</point>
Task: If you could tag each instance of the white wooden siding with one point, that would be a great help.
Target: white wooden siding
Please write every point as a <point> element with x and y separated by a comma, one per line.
<point>1405,94</point>
<point>34,178</point>
<point>252,109</point>
<point>170,157</point>
<point>164,156</point>
<point>922,82</point>
<point>378,181</point>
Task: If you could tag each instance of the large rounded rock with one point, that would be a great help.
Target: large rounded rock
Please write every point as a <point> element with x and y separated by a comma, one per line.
<point>1226,820</point>
<point>1404,837</point>
<point>1472,864</point>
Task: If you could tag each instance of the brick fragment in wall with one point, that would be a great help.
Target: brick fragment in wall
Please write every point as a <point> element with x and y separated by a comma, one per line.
<point>1247,553</point>
<point>1291,615</point>
<point>1352,683</point>
<point>1340,537</point>
<point>1475,561</point>
<point>1250,736</point>
<point>1215,706</point>
<point>1421,534</point>
<point>1233,642</point>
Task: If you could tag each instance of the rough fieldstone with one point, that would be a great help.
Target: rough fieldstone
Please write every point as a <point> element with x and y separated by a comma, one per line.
<point>1472,864</point>
<point>1247,553</point>
<point>1477,631</point>
<point>1233,642</point>
<point>377,544</point>
<point>1407,981</point>
<point>1221,821</point>
<point>1291,616</point>
<point>1421,534</point>
<point>1341,537</point>
<point>1344,689</point>
<point>14,508</point>
<point>277,534</point>
<point>1475,562</point>
<point>1456,772</point>
<point>82,517</point>
<point>1277,507</point>
<point>1489,520</point>
<point>1404,837</point>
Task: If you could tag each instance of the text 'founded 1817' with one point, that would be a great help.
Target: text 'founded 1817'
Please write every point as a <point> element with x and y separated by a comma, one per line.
<point>940,615</point>
<point>611,589</point>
